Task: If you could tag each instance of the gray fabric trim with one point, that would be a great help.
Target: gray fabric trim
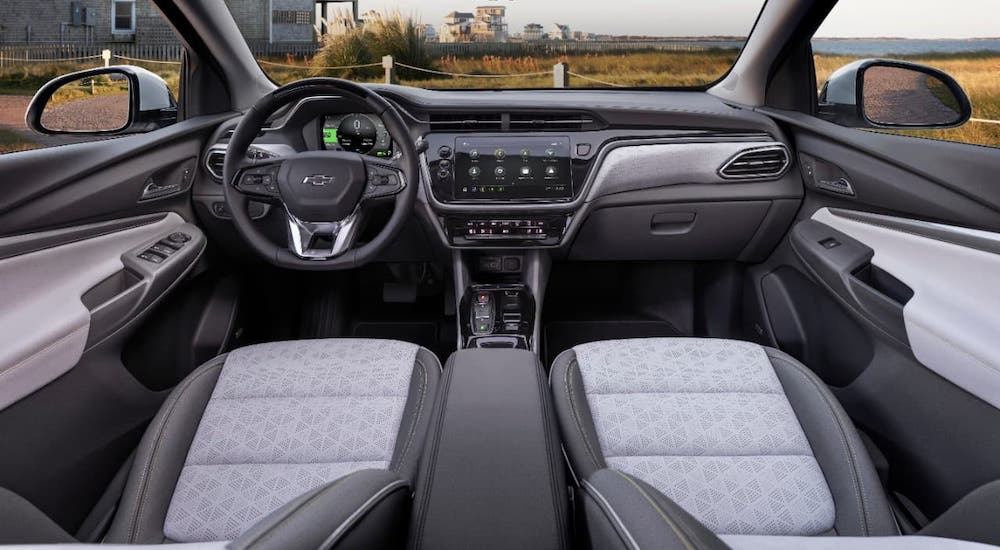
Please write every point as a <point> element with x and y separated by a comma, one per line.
<point>705,422</point>
<point>160,457</point>
<point>283,419</point>
<point>416,415</point>
<point>862,508</point>
<point>747,542</point>
<point>574,416</point>
<point>22,523</point>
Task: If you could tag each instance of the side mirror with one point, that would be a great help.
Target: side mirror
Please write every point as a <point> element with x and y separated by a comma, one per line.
<point>105,101</point>
<point>884,93</point>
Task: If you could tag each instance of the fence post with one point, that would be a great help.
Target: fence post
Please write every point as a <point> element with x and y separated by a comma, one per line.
<point>560,75</point>
<point>106,55</point>
<point>390,70</point>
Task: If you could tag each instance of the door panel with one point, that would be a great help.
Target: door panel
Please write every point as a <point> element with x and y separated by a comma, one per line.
<point>44,320</point>
<point>951,320</point>
<point>75,291</point>
<point>889,294</point>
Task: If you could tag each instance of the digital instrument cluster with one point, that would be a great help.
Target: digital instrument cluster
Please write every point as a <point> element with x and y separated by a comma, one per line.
<point>357,133</point>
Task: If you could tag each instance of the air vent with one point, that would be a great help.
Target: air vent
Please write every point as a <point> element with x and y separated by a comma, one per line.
<point>758,163</point>
<point>567,121</point>
<point>459,122</point>
<point>549,122</point>
<point>214,161</point>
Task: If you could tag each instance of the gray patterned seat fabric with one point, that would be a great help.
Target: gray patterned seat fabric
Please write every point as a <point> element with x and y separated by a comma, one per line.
<point>251,431</point>
<point>743,438</point>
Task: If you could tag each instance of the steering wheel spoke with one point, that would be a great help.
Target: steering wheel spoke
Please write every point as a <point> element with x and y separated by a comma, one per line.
<point>322,240</point>
<point>385,179</point>
<point>259,180</point>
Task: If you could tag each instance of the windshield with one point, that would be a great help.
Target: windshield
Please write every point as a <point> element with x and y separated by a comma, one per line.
<point>499,43</point>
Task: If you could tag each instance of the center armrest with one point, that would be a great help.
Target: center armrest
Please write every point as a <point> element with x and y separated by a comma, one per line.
<point>492,474</point>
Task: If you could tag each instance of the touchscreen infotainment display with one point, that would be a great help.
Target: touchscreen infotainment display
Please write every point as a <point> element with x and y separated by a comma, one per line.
<point>513,168</point>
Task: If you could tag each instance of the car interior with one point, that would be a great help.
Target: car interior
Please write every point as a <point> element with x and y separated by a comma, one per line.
<point>716,317</point>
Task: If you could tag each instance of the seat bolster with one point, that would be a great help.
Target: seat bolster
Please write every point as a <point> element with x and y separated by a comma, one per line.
<point>575,419</point>
<point>862,508</point>
<point>160,458</point>
<point>22,523</point>
<point>415,422</point>
<point>622,511</point>
<point>365,509</point>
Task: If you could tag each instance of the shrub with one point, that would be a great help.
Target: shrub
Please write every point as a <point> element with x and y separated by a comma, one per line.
<point>395,34</point>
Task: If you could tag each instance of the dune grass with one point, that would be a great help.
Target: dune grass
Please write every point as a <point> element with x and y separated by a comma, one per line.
<point>978,73</point>
<point>11,142</point>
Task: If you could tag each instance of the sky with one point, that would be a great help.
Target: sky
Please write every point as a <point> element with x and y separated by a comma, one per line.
<point>850,18</point>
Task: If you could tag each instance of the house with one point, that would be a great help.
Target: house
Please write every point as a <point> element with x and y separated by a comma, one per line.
<point>533,31</point>
<point>430,33</point>
<point>559,32</point>
<point>489,24</point>
<point>457,27</point>
<point>139,22</point>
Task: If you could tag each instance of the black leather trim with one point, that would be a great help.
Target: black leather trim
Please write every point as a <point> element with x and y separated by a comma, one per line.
<point>416,414</point>
<point>365,509</point>
<point>492,475</point>
<point>160,458</point>
<point>641,516</point>
<point>41,240</point>
<point>22,523</point>
<point>973,518</point>
<point>862,508</point>
<point>574,417</point>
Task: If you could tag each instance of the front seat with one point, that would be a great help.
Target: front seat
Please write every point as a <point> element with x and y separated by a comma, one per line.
<point>744,440</point>
<point>332,424</point>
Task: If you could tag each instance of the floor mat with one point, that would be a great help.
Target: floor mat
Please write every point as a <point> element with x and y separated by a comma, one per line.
<point>562,335</point>
<point>422,333</point>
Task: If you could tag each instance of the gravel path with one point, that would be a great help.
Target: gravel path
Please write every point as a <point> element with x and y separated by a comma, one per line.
<point>12,108</point>
<point>901,95</point>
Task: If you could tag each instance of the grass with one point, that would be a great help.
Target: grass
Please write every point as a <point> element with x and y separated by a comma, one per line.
<point>978,73</point>
<point>11,142</point>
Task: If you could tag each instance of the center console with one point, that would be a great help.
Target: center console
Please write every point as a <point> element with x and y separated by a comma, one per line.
<point>496,191</point>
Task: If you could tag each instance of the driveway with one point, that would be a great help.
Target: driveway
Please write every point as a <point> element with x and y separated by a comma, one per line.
<point>12,109</point>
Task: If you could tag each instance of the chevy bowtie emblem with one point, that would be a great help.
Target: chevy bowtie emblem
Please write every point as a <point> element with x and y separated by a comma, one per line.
<point>319,180</point>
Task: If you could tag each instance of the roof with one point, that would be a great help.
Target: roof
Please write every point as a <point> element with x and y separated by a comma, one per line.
<point>457,14</point>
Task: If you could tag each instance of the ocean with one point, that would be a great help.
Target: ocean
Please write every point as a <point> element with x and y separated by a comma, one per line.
<point>905,46</point>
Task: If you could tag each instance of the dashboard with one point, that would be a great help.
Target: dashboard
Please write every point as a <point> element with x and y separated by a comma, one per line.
<point>593,175</point>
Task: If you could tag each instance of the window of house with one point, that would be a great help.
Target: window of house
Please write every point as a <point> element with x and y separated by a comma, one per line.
<point>123,16</point>
<point>925,32</point>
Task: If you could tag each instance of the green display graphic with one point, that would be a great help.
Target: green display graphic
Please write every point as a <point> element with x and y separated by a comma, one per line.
<point>330,136</point>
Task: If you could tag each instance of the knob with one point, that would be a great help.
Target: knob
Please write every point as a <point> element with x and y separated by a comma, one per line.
<point>444,151</point>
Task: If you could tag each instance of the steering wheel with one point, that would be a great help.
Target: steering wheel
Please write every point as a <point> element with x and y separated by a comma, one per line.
<point>324,194</point>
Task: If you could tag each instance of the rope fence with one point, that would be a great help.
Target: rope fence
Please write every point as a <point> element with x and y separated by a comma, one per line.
<point>140,60</point>
<point>465,75</point>
<point>560,72</point>
<point>310,67</point>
